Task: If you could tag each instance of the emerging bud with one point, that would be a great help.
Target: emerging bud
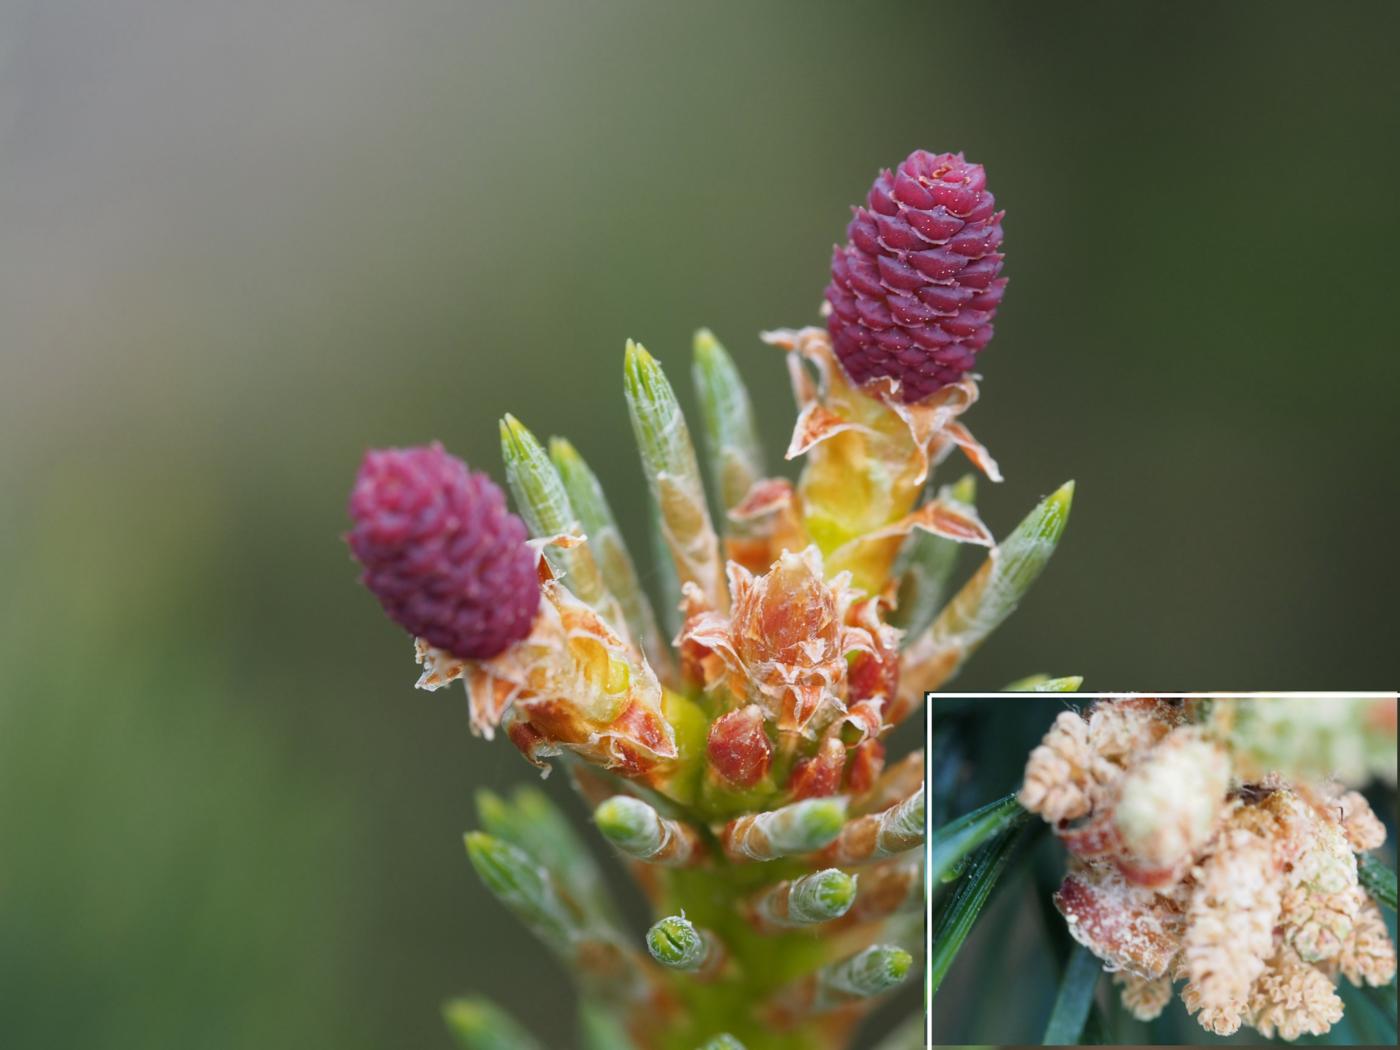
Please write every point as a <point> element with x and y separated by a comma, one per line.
<point>868,973</point>
<point>788,642</point>
<point>676,942</point>
<point>914,290</point>
<point>819,897</point>
<point>738,748</point>
<point>1130,928</point>
<point>529,820</point>
<point>798,828</point>
<point>522,885</point>
<point>786,631</point>
<point>478,1024</point>
<point>638,830</point>
<point>876,835</point>
<point>544,504</point>
<point>827,894</point>
<point>877,969</point>
<point>821,774</point>
<point>731,436</point>
<point>1168,803</point>
<point>673,473</point>
<point>446,559</point>
<point>867,762</point>
<point>1043,683</point>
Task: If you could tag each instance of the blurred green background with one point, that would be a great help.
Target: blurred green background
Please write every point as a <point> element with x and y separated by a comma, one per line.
<point>239,243</point>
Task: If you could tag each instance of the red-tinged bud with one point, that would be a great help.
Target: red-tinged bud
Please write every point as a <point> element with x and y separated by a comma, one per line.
<point>790,617</point>
<point>874,671</point>
<point>1133,929</point>
<point>787,633</point>
<point>1090,837</point>
<point>738,749</point>
<point>914,290</point>
<point>867,763</point>
<point>446,559</point>
<point>820,775</point>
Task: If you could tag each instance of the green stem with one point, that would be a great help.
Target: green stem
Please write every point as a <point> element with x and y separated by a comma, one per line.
<point>957,914</point>
<point>956,839</point>
<point>1075,997</point>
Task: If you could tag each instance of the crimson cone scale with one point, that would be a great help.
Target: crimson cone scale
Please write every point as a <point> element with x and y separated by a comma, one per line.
<point>914,290</point>
<point>446,559</point>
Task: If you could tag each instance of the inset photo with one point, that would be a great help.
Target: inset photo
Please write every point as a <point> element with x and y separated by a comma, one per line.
<point>1161,869</point>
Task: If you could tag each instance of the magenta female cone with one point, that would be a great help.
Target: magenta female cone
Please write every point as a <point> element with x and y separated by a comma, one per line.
<point>914,290</point>
<point>441,552</point>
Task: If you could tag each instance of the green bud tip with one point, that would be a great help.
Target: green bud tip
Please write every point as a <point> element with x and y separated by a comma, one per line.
<point>1026,551</point>
<point>824,895</point>
<point>808,825</point>
<point>565,457</point>
<point>534,481</point>
<point>467,1016</point>
<point>580,485</point>
<point>507,870</point>
<point>492,809</point>
<point>629,823</point>
<point>875,970</point>
<point>485,850</point>
<point>1068,684</point>
<point>1055,510</point>
<point>675,942</point>
<point>964,490</point>
<point>736,453</point>
<point>643,373</point>
<point>1032,541</point>
<point>561,449</point>
<point>516,440</point>
<point>662,438</point>
<point>504,868</point>
<point>478,1024</point>
<point>707,347</point>
<point>723,1041</point>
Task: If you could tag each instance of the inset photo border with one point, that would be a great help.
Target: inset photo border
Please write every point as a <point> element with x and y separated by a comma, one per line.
<point>1161,868</point>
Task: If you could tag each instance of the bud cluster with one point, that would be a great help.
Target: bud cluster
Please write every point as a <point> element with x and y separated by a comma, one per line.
<point>1190,863</point>
<point>740,768</point>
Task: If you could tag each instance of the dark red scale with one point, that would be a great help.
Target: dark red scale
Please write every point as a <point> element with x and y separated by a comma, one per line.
<point>914,290</point>
<point>446,559</point>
